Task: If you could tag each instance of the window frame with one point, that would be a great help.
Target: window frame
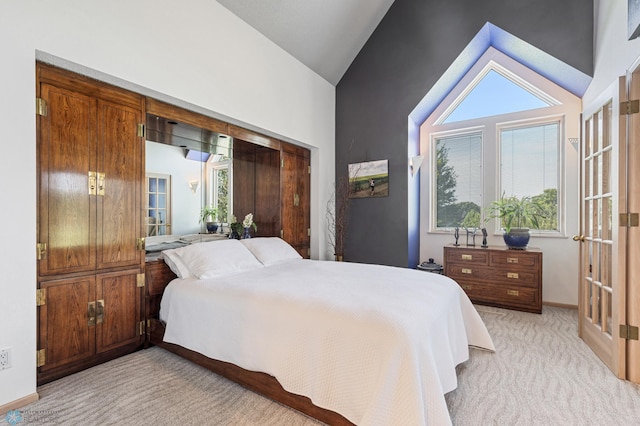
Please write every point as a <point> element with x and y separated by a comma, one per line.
<point>157,227</point>
<point>434,137</point>
<point>212,185</point>
<point>568,106</point>
<point>491,164</point>
<point>526,123</point>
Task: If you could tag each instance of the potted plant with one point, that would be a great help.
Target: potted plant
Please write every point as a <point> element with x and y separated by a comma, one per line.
<point>209,215</point>
<point>248,223</point>
<point>517,216</point>
<point>240,230</point>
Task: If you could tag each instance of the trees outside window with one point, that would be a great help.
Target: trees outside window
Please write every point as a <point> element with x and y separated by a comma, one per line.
<point>458,180</point>
<point>529,158</point>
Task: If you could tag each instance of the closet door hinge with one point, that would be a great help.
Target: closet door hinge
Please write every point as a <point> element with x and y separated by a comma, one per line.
<point>141,130</point>
<point>140,328</point>
<point>41,107</point>
<point>140,280</point>
<point>630,107</point>
<point>281,233</point>
<point>629,220</point>
<point>41,357</point>
<point>140,243</point>
<point>628,332</point>
<point>41,296</point>
<point>309,169</point>
<point>282,163</point>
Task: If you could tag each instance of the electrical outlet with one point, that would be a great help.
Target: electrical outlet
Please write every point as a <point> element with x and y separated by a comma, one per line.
<point>5,358</point>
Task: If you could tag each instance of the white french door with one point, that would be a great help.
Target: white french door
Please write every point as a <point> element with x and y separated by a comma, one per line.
<point>600,251</point>
<point>630,124</point>
<point>609,281</point>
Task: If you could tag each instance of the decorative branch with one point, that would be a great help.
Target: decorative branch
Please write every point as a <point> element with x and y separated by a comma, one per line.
<point>337,215</point>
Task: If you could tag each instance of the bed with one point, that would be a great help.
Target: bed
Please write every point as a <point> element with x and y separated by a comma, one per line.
<point>346,343</point>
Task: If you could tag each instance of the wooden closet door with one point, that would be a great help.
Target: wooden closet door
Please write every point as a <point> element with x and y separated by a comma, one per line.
<point>118,310</point>
<point>120,151</point>
<point>66,209</point>
<point>66,331</point>
<point>295,198</point>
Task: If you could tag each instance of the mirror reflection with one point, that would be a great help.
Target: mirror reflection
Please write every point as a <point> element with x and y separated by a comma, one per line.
<point>188,186</point>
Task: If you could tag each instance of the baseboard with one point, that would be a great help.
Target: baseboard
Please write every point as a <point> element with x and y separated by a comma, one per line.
<point>560,305</point>
<point>19,403</point>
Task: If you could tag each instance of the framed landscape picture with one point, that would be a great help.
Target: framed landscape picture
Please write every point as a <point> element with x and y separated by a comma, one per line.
<point>369,179</point>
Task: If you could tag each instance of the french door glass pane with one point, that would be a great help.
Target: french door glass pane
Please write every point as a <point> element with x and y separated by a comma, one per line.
<point>609,306</point>
<point>607,218</point>
<point>587,178</point>
<point>594,219</point>
<point>607,265</point>
<point>607,125</point>
<point>597,304</point>
<point>595,174</point>
<point>597,134</point>
<point>590,299</point>
<point>606,172</point>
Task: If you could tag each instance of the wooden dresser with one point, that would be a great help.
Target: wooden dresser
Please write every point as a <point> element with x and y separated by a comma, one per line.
<point>497,276</point>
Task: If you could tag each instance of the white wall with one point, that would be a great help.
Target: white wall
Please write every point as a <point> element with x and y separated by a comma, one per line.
<point>185,205</point>
<point>613,52</point>
<point>195,51</point>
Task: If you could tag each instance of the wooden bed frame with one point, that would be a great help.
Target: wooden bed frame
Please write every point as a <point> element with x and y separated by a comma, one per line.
<point>158,275</point>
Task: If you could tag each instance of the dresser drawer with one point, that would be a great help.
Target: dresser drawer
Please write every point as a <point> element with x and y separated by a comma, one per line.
<point>468,256</point>
<point>465,272</point>
<point>513,258</point>
<point>514,277</point>
<point>506,296</point>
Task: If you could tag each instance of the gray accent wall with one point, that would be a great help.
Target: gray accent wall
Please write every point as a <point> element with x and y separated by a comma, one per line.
<point>406,55</point>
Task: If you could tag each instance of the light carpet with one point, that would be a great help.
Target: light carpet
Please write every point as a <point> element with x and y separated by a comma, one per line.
<point>541,374</point>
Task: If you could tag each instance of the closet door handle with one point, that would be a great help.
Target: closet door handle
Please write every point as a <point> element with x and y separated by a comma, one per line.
<point>92,183</point>
<point>91,313</point>
<point>101,183</point>
<point>99,311</point>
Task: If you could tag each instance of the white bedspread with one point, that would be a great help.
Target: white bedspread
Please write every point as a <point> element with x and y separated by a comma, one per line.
<point>377,344</point>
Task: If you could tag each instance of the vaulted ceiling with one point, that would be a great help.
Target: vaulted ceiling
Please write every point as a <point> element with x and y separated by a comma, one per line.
<point>325,35</point>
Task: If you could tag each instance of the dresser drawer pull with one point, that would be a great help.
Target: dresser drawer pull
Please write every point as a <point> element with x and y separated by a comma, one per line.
<point>513,292</point>
<point>513,275</point>
<point>467,257</point>
<point>512,260</point>
<point>466,271</point>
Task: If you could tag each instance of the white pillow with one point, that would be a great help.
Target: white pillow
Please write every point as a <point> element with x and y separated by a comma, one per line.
<point>271,250</point>
<point>174,262</point>
<point>217,258</point>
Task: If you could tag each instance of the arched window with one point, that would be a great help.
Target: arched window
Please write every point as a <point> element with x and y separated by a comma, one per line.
<point>499,132</point>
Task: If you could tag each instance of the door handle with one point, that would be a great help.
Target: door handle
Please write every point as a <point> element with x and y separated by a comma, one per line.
<point>91,314</point>
<point>578,238</point>
<point>99,311</point>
